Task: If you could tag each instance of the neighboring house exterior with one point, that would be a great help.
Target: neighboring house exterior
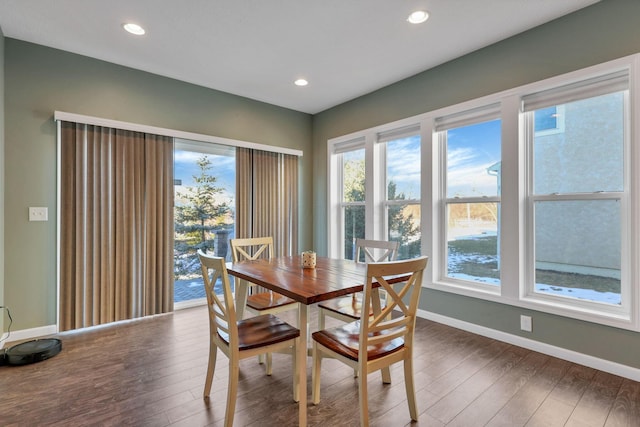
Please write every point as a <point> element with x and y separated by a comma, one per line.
<point>578,149</point>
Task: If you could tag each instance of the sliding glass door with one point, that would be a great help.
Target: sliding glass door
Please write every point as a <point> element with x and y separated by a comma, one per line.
<point>204,212</point>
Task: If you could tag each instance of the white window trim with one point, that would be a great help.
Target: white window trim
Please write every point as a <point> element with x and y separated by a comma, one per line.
<point>513,221</point>
<point>135,127</point>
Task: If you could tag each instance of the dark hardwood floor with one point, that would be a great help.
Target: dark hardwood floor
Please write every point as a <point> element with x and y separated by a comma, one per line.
<point>150,372</point>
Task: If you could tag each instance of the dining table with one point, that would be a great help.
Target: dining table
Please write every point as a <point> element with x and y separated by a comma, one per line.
<point>330,278</point>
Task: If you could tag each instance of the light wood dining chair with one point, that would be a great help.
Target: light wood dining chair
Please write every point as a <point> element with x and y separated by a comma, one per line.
<point>265,302</point>
<point>240,339</point>
<point>380,340</point>
<point>349,308</point>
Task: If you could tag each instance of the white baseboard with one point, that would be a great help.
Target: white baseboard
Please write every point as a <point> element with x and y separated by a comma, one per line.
<point>27,334</point>
<point>550,350</point>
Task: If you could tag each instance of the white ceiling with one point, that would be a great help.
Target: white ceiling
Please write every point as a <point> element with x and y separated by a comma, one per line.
<point>257,48</point>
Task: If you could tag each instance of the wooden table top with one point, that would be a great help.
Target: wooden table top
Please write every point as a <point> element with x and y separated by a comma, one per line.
<point>330,278</point>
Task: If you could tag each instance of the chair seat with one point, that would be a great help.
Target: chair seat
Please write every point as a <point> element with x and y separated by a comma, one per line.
<point>266,300</point>
<point>351,307</point>
<point>345,340</point>
<point>262,330</point>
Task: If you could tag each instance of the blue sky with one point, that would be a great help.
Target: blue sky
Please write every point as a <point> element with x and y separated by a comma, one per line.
<point>403,166</point>
<point>470,151</point>
<point>223,168</point>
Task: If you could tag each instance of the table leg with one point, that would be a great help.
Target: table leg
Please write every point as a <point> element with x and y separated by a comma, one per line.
<point>241,297</point>
<point>303,322</point>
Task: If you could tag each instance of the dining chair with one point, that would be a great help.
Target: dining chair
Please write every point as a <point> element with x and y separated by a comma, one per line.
<point>240,339</point>
<point>259,302</point>
<point>380,340</point>
<point>349,308</point>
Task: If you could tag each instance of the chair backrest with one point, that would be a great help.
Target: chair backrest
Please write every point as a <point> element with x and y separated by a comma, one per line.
<point>383,328</point>
<point>376,250</point>
<point>251,248</point>
<point>222,313</point>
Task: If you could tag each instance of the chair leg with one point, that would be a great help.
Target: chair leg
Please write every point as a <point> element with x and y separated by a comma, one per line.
<point>269,365</point>
<point>213,352</point>
<point>321,319</point>
<point>316,357</point>
<point>232,393</point>
<point>411,393</point>
<point>386,375</point>
<point>364,405</point>
<point>296,380</point>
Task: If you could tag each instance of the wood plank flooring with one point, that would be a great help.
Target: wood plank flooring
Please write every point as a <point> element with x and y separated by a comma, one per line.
<point>150,372</point>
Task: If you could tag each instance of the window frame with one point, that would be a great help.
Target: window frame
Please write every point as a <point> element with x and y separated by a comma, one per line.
<point>516,205</point>
<point>591,309</point>
<point>381,230</point>
<point>376,203</point>
<point>336,191</point>
<point>478,114</point>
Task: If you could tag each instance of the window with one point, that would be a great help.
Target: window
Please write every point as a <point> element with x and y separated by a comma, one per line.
<point>377,179</point>
<point>353,200</point>
<point>549,120</point>
<point>204,186</point>
<point>402,191</point>
<point>578,194</point>
<point>528,197</point>
<point>351,208</point>
<point>471,144</point>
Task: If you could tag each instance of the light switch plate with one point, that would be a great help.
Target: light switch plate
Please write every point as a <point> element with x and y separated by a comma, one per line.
<point>38,214</point>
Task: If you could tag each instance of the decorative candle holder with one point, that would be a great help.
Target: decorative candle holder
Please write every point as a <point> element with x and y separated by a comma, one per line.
<point>308,259</point>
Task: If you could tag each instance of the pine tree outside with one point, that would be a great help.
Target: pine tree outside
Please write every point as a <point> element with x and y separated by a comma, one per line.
<point>203,220</point>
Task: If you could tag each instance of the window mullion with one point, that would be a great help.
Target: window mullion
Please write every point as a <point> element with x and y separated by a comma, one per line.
<point>374,161</point>
<point>512,192</point>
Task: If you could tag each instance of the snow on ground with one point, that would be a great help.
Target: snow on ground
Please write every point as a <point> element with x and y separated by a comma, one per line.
<point>583,294</point>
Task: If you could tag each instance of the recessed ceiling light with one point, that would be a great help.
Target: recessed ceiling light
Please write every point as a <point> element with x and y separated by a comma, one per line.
<point>418,17</point>
<point>134,29</point>
<point>301,82</point>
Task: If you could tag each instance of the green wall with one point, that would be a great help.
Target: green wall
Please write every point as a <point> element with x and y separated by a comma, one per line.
<point>41,80</point>
<point>2,315</point>
<point>607,30</point>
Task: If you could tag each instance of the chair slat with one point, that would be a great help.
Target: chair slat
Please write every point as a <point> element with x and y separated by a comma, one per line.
<point>349,309</point>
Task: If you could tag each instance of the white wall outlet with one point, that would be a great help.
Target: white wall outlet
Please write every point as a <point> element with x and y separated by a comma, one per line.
<point>525,323</point>
<point>38,214</point>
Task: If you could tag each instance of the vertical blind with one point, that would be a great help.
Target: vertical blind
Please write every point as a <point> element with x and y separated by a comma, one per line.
<point>267,198</point>
<point>116,225</point>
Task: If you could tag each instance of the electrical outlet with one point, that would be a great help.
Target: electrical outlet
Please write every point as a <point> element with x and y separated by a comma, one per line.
<point>38,214</point>
<point>525,323</point>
